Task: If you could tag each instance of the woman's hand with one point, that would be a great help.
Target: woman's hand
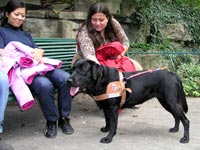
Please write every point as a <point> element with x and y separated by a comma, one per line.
<point>93,58</point>
<point>119,56</point>
<point>38,54</point>
<point>123,53</point>
<point>125,50</point>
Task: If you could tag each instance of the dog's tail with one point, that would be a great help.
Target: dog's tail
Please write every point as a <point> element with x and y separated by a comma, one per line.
<point>182,96</point>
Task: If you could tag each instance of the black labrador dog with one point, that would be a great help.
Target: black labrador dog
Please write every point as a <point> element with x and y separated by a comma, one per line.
<point>162,84</point>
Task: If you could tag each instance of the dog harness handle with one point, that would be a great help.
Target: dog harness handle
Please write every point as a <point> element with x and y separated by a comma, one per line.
<point>115,89</point>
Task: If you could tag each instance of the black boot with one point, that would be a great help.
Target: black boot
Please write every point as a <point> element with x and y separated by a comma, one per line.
<point>64,124</point>
<point>51,129</point>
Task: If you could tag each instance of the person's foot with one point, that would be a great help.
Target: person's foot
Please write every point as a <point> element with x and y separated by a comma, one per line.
<point>51,129</point>
<point>64,124</point>
<point>136,106</point>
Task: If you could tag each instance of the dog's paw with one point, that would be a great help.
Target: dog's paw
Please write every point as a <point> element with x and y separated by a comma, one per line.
<point>184,140</point>
<point>173,130</point>
<point>105,140</point>
<point>105,129</point>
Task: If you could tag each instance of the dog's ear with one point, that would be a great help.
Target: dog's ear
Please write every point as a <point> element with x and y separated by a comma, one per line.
<point>96,70</point>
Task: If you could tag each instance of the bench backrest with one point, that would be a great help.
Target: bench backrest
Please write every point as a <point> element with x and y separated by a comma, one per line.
<point>58,48</point>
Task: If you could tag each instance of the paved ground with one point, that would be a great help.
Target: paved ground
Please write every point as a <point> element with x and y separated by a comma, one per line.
<point>145,128</point>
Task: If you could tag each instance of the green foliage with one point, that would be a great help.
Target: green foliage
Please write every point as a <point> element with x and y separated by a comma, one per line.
<point>158,13</point>
<point>183,64</point>
<point>173,55</point>
<point>59,1</point>
<point>165,46</point>
<point>193,3</point>
<point>143,3</point>
<point>190,76</point>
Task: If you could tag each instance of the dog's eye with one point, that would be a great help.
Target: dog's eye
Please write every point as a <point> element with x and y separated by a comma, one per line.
<point>81,70</point>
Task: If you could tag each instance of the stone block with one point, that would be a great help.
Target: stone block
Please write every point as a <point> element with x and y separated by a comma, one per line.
<point>73,15</point>
<point>31,2</point>
<point>35,14</point>
<point>51,28</point>
<point>42,27</point>
<point>176,32</point>
<point>68,29</point>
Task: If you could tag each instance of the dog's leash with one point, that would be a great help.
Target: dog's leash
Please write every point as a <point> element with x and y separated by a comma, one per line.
<point>143,72</point>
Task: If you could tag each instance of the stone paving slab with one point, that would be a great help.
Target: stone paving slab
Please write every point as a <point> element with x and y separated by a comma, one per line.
<point>145,128</point>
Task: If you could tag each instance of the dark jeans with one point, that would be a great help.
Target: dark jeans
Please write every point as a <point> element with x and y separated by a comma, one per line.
<point>43,87</point>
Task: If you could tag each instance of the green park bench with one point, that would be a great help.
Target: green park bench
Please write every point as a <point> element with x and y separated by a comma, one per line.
<point>57,48</point>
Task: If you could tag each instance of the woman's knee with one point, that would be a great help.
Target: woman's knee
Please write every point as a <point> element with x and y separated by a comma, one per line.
<point>138,67</point>
<point>61,76</point>
<point>41,83</point>
<point>3,78</point>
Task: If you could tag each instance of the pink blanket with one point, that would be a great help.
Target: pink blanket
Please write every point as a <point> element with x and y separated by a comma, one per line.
<point>25,62</point>
<point>21,70</point>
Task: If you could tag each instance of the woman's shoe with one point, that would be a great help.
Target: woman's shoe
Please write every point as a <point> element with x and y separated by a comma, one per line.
<point>51,129</point>
<point>64,124</point>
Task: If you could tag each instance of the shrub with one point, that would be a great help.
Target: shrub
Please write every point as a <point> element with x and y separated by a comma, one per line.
<point>186,66</point>
<point>190,76</point>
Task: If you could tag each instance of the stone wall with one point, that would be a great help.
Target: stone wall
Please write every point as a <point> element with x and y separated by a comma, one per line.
<point>58,22</point>
<point>63,19</point>
<point>47,24</point>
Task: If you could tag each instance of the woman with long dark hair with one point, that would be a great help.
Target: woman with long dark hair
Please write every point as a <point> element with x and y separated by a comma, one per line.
<point>100,34</point>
